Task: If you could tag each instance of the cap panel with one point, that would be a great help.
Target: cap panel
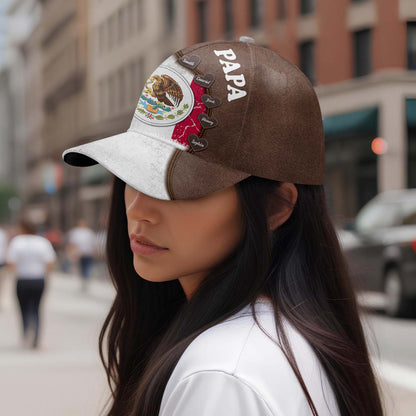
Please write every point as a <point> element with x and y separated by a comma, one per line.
<point>193,177</point>
<point>281,136</point>
<point>166,101</point>
<point>231,65</point>
<point>285,122</point>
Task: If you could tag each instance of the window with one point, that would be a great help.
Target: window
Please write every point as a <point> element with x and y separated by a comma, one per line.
<point>139,14</point>
<point>111,31</point>
<point>111,95</point>
<point>134,94</point>
<point>138,76</point>
<point>202,20</point>
<point>256,9</point>
<point>307,6</point>
<point>170,14</point>
<point>281,9</point>
<point>411,45</point>
<point>121,89</point>
<point>101,100</point>
<point>120,26</point>
<point>307,64</point>
<point>362,52</point>
<point>141,73</point>
<point>101,38</point>
<point>135,79</point>
<point>228,16</point>
<point>130,17</point>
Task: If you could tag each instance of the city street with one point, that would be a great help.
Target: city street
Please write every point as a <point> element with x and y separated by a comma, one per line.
<point>65,376</point>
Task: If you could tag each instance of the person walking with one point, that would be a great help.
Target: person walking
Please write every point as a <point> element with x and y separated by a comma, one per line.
<point>3,250</point>
<point>31,258</point>
<point>233,297</point>
<point>82,246</point>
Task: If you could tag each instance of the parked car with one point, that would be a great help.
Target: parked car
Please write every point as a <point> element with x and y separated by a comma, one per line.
<point>380,248</point>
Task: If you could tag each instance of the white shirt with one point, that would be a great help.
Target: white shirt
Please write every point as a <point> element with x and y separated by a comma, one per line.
<point>234,369</point>
<point>3,246</point>
<point>30,253</point>
<point>84,239</point>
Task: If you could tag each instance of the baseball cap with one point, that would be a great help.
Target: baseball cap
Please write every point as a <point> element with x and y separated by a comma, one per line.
<point>211,115</point>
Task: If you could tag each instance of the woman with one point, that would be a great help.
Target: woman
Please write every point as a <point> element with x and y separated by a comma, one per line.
<point>31,258</point>
<point>233,297</point>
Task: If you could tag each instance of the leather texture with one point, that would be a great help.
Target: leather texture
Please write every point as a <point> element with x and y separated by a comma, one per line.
<point>275,131</point>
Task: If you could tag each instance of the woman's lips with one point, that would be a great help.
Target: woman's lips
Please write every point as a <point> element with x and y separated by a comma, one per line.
<point>140,248</point>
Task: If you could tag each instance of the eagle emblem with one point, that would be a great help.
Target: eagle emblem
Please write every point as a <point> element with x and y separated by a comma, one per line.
<point>166,90</point>
<point>166,99</point>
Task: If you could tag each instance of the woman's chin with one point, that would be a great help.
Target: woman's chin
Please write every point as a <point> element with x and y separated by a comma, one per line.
<point>150,275</point>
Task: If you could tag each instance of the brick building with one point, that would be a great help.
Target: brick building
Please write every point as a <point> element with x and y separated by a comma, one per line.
<point>360,55</point>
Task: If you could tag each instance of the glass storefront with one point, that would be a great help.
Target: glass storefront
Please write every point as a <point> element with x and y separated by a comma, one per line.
<point>351,165</point>
<point>411,142</point>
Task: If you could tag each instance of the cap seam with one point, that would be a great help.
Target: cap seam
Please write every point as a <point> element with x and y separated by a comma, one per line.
<point>169,175</point>
<point>207,44</point>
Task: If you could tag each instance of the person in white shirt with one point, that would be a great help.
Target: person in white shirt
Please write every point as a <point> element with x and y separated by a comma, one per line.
<point>232,293</point>
<point>3,250</point>
<point>82,246</point>
<point>31,258</point>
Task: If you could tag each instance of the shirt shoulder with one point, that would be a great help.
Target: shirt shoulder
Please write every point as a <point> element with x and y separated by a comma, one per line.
<point>239,348</point>
<point>213,392</point>
<point>38,240</point>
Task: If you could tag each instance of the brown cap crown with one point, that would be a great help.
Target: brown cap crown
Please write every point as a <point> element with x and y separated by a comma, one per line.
<point>265,118</point>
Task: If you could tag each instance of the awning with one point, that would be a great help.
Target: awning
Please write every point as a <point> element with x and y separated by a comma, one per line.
<point>411,112</point>
<point>359,122</point>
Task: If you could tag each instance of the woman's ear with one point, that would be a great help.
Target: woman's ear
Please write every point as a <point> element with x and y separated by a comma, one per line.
<point>280,204</point>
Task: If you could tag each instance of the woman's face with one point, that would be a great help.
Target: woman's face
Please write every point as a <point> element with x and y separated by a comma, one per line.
<point>197,234</point>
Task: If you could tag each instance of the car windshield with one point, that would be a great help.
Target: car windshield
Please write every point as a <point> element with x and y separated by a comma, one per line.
<point>378,215</point>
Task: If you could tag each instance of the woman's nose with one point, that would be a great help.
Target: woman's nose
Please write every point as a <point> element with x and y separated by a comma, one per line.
<point>141,206</point>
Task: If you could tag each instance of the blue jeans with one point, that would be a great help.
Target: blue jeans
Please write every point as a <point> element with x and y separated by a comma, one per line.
<point>86,263</point>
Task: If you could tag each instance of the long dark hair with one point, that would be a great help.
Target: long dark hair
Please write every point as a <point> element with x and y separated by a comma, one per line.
<point>299,266</point>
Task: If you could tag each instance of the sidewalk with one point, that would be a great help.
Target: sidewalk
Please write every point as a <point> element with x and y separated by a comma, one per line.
<point>64,376</point>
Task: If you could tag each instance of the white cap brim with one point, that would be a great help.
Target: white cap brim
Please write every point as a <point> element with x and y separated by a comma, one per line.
<point>138,160</point>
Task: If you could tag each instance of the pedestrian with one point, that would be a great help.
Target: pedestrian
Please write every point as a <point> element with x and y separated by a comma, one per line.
<point>232,293</point>
<point>82,246</point>
<point>3,250</point>
<point>31,258</point>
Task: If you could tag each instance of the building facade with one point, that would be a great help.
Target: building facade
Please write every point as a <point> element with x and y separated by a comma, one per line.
<point>64,56</point>
<point>87,62</point>
<point>36,200</point>
<point>360,55</point>
<point>85,66</point>
<point>22,16</point>
<point>127,40</point>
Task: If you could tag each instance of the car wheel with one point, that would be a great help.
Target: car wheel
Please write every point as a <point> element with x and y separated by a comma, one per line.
<point>397,305</point>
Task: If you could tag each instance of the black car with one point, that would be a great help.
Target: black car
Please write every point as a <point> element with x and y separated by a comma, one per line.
<point>380,247</point>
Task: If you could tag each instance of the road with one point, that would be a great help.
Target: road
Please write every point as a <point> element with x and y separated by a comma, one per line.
<point>392,344</point>
<point>65,376</point>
